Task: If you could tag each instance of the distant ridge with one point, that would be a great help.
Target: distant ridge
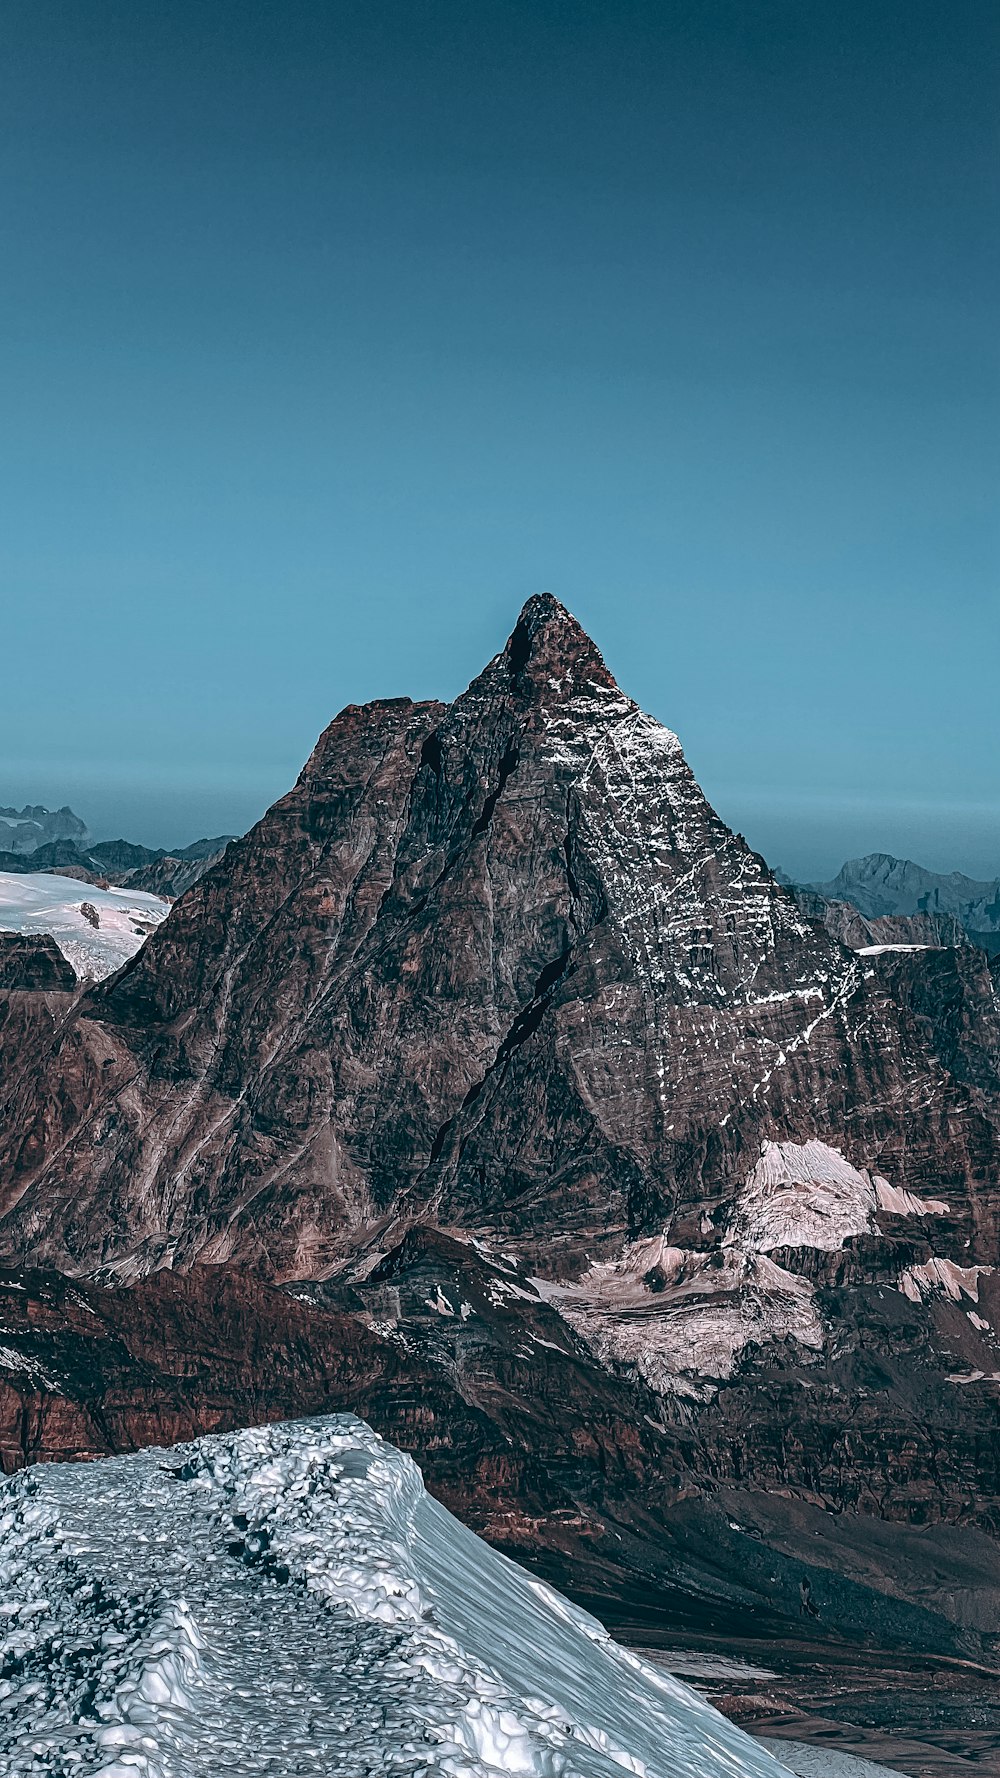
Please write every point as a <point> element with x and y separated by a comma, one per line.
<point>36,839</point>
<point>25,830</point>
<point>880,885</point>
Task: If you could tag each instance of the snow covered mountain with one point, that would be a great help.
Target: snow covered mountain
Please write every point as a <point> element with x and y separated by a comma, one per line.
<point>289,1600</point>
<point>97,930</point>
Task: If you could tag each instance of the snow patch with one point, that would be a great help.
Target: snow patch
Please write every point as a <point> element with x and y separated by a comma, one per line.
<point>806,1761</point>
<point>878,950</point>
<point>683,1318</point>
<point>903,1203</point>
<point>944,1276</point>
<point>802,1195</point>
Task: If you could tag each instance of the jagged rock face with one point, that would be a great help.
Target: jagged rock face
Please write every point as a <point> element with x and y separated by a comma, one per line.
<point>496,964</point>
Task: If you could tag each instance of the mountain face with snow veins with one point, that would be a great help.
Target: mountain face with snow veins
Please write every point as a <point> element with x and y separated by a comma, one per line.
<point>664,1224</point>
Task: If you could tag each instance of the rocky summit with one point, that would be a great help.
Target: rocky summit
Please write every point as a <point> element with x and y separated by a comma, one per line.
<point>492,1088</point>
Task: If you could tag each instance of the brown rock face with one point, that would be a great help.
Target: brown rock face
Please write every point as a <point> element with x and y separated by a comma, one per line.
<point>33,963</point>
<point>498,965</point>
<point>494,973</point>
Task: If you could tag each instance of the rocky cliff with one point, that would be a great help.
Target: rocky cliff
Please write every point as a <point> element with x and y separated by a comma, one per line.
<point>492,1040</point>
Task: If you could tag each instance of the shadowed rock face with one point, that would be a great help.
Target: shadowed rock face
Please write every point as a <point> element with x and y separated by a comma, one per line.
<point>32,962</point>
<point>495,973</point>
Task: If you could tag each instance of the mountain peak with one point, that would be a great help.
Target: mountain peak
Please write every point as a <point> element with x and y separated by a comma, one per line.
<point>548,644</point>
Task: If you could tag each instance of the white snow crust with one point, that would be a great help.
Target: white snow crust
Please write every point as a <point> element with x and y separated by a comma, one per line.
<point>943,1276</point>
<point>289,1600</point>
<point>705,1309</point>
<point>39,902</point>
<point>802,1195</point>
<point>879,950</point>
<point>681,1317</point>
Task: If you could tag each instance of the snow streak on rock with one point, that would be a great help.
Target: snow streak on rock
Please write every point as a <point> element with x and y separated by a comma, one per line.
<point>289,1600</point>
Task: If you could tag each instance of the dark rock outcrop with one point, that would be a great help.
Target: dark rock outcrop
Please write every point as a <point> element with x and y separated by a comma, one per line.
<point>33,963</point>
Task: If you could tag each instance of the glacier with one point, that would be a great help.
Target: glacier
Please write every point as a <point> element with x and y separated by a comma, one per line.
<point>289,1600</point>
<point>41,901</point>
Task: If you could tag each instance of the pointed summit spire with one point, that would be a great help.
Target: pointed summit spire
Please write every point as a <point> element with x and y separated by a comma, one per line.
<point>548,644</point>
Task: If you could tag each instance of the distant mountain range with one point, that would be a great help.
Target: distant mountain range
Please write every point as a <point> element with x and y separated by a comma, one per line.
<point>25,830</point>
<point>39,839</point>
<point>921,906</point>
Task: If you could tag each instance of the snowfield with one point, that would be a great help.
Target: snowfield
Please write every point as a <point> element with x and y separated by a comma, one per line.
<point>40,902</point>
<point>682,1317</point>
<point>289,1600</point>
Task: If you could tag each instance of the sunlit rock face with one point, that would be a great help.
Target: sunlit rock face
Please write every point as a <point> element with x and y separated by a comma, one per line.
<point>492,1039</point>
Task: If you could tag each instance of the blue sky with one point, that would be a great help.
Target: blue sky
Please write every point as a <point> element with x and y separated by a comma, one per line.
<point>329,332</point>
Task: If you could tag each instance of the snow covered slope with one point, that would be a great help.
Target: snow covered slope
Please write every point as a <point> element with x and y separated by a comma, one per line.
<point>40,902</point>
<point>289,1600</point>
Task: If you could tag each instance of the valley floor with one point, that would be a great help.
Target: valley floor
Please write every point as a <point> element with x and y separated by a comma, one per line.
<point>918,1717</point>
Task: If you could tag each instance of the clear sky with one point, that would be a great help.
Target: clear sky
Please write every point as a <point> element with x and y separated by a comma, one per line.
<point>331,329</point>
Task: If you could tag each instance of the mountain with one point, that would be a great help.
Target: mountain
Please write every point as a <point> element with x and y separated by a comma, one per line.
<point>491,1087</point>
<point>25,830</point>
<point>293,1597</point>
<point>882,885</point>
<point>204,849</point>
<point>171,873</point>
<point>122,863</point>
